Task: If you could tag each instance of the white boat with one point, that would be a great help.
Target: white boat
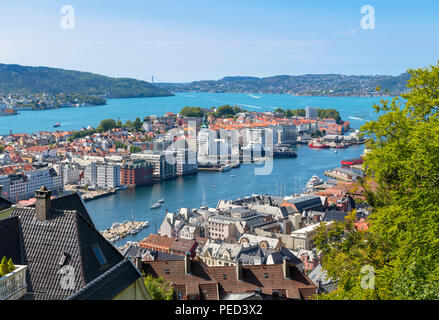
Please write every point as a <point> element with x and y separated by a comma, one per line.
<point>156,205</point>
<point>312,183</point>
<point>256,97</point>
<point>335,151</point>
<point>145,224</point>
<point>161,200</point>
<point>115,225</point>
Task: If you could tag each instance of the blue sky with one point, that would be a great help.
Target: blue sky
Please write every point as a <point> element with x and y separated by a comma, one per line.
<point>186,40</point>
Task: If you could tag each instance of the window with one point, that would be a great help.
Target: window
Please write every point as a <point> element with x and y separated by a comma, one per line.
<point>266,275</point>
<point>99,255</point>
<point>224,276</point>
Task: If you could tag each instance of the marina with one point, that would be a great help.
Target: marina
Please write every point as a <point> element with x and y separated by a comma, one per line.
<point>119,231</point>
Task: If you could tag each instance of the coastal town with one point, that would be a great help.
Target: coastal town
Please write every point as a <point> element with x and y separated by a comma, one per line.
<point>12,103</point>
<point>257,233</point>
<point>96,162</point>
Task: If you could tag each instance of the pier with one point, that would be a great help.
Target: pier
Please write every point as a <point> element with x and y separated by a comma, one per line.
<point>122,230</point>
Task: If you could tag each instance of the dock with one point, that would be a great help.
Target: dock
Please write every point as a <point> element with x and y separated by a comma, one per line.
<point>122,230</point>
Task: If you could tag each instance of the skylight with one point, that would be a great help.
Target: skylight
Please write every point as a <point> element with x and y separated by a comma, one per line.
<point>99,254</point>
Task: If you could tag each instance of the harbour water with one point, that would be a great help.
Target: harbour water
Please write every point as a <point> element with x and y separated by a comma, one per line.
<point>288,175</point>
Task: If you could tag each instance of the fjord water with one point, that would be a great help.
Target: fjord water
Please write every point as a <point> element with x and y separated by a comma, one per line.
<point>130,108</point>
<point>288,175</point>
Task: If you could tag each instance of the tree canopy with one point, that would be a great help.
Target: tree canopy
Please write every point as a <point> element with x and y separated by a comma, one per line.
<point>6,266</point>
<point>402,244</point>
<point>329,114</point>
<point>192,112</point>
<point>106,125</point>
<point>158,288</point>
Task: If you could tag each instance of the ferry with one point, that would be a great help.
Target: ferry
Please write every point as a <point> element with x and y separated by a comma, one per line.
<point>156,205</point>
<point>318,143</point>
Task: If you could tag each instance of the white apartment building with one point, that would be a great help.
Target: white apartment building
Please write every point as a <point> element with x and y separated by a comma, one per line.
<point>90,175</point>
<point>22,186</point>
<point>108,176</point>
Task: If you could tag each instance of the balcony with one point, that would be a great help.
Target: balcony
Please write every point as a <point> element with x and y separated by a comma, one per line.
<point>13,286</point>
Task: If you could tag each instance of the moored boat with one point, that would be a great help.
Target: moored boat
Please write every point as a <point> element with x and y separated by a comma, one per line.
<point>318,143</point>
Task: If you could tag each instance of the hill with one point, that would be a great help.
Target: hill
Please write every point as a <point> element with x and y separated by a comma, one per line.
<point>305,85</point>
<point>23,80</point>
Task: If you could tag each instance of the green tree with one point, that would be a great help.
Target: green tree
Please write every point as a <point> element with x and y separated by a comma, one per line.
<point>2,148</point>
<point>158,288</point>
<point>137,124</point>
<point>11,266</point>
<point>279,110</point>
<point>192,112</point>
<point>329,114</point>
<point>135,149</point>
<point>402,244</point>
<point>106,125</point>
<point>225,111</point>
<point>4,268</point>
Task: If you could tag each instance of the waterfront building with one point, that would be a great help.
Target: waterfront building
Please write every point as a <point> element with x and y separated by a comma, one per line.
<point>136,173</point>
<point>57,237</point>
<point>186,162</point>
<point>90,175</point>
<point>164,163</point>
<point>108,176</point>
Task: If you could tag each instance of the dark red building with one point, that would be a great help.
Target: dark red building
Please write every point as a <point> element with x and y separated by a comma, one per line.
<point>136,173</point>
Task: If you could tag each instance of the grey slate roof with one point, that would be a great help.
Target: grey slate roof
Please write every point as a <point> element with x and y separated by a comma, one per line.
<point>10,240</point>
<point>335,216</point>
<point>110,284</point>
<point>65,239</point>
<point>4,204</point>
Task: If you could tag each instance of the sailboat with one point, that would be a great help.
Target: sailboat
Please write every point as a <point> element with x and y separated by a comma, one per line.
<point>155,195</point>
<point>161,200</point>
<point>156,205</point>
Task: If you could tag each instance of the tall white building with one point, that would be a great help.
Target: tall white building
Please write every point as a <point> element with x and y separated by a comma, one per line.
<point>312,113</point>
<point>108,176</point>
<point>90,175</point>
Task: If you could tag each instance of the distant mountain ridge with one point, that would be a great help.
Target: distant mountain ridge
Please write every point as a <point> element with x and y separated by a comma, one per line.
<point>304,85</point>
<point>17,79</point>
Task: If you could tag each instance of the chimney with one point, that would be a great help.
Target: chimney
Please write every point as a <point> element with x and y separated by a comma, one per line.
<point>187,263</point>
<point>42,204</point>
<point>138,263</point>
<point>286,267</point>
<point>239,273</point>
